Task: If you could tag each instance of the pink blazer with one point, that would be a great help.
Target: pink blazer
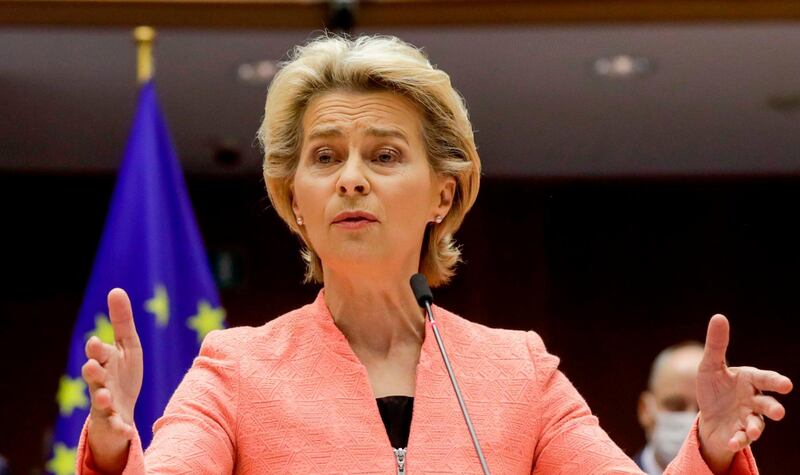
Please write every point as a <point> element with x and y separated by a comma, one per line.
<point>290,397</point>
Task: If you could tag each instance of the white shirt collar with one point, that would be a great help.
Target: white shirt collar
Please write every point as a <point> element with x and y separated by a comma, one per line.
<point>649,463</point>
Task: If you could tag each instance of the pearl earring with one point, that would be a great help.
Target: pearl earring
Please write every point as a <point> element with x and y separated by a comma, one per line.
<point>299,221</point>
<point>438,219</point>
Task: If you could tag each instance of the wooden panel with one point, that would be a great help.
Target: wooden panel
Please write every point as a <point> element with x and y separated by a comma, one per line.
<point>379,13</point>
<point>180,13</point>
<point>479,12</point>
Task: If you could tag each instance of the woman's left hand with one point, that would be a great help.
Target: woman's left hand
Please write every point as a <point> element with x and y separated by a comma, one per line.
<point>732,406</point>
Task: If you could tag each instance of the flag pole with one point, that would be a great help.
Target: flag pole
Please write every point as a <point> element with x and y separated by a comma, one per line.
<point>144,36</point>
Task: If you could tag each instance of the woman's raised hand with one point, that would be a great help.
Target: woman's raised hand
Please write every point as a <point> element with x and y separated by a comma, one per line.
<point>114,376</point>
<point>731,400</point>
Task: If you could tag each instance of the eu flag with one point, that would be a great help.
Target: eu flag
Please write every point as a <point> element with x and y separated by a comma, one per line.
<point>151,247</point>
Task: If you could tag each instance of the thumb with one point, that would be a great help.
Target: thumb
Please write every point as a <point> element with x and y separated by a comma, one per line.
<point>121,316</point>
<point>717,338</point>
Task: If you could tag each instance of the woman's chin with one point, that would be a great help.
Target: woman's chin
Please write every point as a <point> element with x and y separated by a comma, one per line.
<point>360,258</point>
<point>359,254</point>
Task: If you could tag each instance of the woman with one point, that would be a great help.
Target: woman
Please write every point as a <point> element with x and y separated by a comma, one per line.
<point>370,159</point>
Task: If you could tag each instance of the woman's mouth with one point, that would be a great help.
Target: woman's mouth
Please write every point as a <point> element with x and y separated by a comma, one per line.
<point>354,219</point>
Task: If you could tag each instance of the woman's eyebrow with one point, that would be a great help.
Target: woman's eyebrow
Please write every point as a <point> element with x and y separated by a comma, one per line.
<point>387,132</point>
<point>328,131</point>
<point>325,131</point>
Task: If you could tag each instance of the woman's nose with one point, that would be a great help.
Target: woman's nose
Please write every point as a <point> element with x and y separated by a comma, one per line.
<point>352,180</point>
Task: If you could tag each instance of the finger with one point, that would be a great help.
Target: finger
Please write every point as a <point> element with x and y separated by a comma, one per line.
<point>121,315</point>
<point>94,374</point>
<point>754,427</point>
<point>102,401</point>
<point>768,406</point>
<point>766,380</point>
<point>738,441</point>
<point>717,338</point>
<point>121,427</point>
<point>96,349</point>
<point>110,418</point>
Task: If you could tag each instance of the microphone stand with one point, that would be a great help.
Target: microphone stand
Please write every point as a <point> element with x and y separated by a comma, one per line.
<point>425,297</point>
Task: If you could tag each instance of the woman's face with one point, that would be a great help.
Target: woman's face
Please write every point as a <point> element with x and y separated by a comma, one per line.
<point>363,186</point>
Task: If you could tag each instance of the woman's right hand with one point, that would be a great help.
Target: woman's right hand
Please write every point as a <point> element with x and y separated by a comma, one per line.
<point>114,375</point>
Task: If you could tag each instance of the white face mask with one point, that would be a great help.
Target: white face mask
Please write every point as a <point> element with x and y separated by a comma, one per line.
<point>669,433</point>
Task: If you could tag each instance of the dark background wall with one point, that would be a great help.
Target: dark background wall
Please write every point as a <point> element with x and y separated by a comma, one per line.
<point>608,272</point>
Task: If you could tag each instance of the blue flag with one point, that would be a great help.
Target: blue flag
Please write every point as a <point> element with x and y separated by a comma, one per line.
<point>151,247</point>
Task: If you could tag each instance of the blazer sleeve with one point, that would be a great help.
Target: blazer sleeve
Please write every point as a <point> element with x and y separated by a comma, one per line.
<point>197,433</point>
<point>570,439</point>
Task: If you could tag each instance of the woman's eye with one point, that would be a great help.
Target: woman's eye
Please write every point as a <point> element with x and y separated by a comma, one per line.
<point>386,156</point>
<point>324,157</point>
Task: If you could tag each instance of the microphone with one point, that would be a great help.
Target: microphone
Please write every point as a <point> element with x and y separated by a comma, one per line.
<point>424,296</point>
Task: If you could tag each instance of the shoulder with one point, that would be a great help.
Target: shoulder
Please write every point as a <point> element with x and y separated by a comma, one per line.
<point>274,337</point>
<point>499,343</point>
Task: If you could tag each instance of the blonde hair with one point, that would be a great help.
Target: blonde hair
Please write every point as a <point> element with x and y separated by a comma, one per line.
<point>372,64</point>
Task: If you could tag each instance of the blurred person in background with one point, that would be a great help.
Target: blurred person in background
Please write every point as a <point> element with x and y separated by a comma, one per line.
<point>668,408</point>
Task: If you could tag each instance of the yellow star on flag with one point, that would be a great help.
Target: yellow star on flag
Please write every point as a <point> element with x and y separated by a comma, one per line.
<point>159,305</point>
<point>207,319</point>
<point>63,461</point>
<point>102,329</point>
<point>71,394</point>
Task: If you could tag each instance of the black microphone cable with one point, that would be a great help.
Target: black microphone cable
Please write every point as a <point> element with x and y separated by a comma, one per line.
<point>424,296</point>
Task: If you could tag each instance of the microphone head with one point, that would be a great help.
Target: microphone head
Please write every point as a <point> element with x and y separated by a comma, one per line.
<point>421,289</point>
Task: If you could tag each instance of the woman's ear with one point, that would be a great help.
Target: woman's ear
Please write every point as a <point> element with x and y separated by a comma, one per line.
<point>447,190</point>
<point>295,206</point>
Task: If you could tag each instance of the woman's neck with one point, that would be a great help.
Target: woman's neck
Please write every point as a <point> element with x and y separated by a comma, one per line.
<point>379,317</point>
